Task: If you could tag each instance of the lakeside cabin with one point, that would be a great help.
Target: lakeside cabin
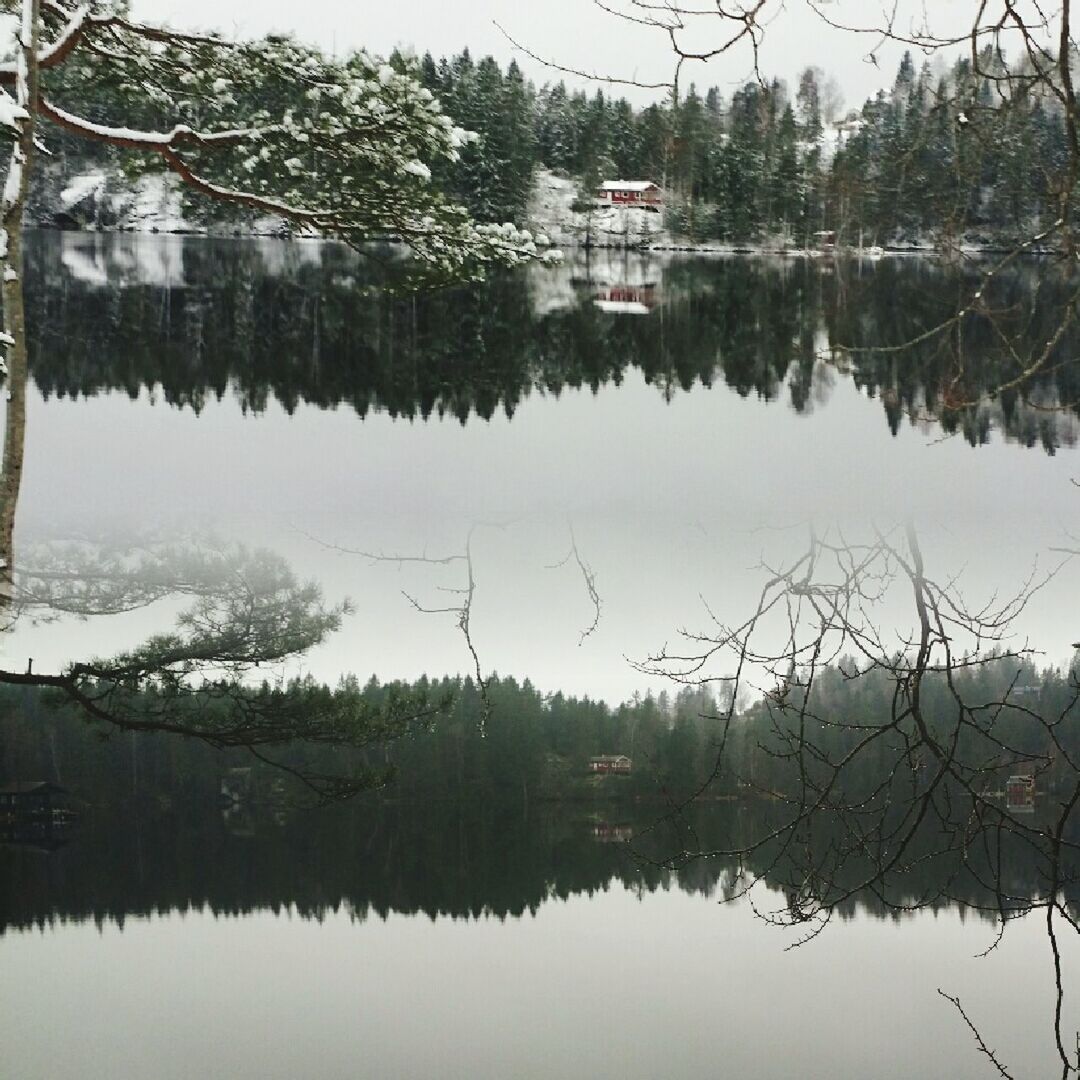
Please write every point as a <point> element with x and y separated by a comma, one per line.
<point>1020,793</point>
<point>30,800</point>
<point>615,764</point>
<point>631,193</point>
<point>605,833</point>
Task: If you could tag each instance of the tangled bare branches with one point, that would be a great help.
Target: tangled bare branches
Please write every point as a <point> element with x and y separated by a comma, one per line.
<point>589,578</point>
<point>886,750</point>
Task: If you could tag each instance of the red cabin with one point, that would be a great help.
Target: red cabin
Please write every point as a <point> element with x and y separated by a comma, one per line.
<point>619,764</point>
<point>1020,793</point>
<point>643,193</point>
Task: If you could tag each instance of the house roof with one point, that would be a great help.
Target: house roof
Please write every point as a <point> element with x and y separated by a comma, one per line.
<point>609,757</point>
<point>628,185</point>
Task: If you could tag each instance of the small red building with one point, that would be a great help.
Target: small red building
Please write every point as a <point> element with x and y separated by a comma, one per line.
<point>606,833</point>
<point>1020,793</point>
<point>643,193</point>
<point>618,764</point>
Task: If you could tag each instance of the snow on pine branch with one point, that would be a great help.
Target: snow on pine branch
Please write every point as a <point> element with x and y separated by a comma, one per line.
<point>345,147</point>
<point>11,112</point>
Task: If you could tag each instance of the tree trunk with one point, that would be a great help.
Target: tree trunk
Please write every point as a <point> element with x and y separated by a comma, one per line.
<point>11,243</point>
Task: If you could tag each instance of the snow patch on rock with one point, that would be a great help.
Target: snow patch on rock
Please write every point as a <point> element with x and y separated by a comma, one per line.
<point>81,188</point>
<point>156,204</point>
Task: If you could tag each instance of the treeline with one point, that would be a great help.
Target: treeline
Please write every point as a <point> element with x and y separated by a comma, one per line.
<point>501,822</point>
<point>508,741</point>
<point>515,740</point>
<point>937,157</point>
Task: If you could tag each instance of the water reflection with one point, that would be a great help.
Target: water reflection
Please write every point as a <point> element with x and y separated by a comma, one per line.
<point>174,826</point>
<point>160,839</point>
<point>193,320</point>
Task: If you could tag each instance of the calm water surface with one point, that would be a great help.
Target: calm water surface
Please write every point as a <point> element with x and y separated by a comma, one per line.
<point>269,392</point>
<point>361,943</point>
<point>684,419</point>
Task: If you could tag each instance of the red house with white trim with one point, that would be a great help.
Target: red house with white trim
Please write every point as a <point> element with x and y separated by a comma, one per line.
<point>619,764</point>
<point>643,193</point>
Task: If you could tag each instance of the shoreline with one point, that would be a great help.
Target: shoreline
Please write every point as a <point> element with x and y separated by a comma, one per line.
<point>871,254</point>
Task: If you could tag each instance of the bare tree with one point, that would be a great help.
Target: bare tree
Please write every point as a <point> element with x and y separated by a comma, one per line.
<point>887,749</point>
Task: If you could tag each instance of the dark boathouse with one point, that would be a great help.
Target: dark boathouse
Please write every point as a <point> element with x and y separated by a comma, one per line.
<point>28,800</point>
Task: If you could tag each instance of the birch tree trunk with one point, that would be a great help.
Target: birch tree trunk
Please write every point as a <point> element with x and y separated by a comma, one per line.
<point>11,244</point>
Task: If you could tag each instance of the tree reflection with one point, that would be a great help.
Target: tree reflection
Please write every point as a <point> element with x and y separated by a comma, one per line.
<point>195,321</point>
<point>889,751</point>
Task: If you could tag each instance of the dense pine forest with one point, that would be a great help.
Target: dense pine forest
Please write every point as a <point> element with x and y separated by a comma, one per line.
<point>508,741</point>
<point>920,160</point>
<point>937,158</point>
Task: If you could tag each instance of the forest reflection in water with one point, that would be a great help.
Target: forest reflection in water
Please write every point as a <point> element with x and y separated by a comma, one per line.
<point>196,319</point>
<point>178,848</point>
<point>267,944</point>
<point>290,331</point>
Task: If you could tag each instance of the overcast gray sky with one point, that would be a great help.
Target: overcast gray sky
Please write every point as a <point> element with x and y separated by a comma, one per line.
<point>674,504</point>
<point>576,33</point>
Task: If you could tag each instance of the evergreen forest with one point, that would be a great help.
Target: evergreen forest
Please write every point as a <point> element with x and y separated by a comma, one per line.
<point>938,158</point>
<point>509,742</point>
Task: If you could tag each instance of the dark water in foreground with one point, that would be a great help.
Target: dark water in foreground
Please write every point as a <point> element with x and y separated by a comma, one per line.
<point>389,941</point>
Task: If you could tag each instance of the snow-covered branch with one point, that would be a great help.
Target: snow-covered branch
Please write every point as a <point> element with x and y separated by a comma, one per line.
<point>342,147</point>
<point>77,23</point>
<point>134,139</point>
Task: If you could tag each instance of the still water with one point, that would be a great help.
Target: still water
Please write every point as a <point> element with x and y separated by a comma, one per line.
<point>480,945</point>
<point>679,422</point>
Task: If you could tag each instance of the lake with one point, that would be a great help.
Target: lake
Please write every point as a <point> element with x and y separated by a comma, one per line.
<point>622,447</point>
<point>472,943</point>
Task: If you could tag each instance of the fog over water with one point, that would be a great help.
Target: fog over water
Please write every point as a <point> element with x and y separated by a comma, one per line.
<point>674,496</point>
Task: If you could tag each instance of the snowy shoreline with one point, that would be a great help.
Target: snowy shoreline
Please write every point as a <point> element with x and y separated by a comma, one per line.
<point>95,202</point>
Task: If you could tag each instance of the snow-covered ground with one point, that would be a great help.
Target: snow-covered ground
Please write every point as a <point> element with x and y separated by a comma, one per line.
<point>82,188</point>
<point>106,199</point>
<point>551,211</point>
<point>156,205</point>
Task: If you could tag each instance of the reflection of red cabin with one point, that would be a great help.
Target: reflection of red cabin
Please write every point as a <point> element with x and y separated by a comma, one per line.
<point>637,294</point>
<point>643,193</point>
<point>636,299</point>
<point>610,763</point>
<point>607,833</point>
<point>1020,793</point>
